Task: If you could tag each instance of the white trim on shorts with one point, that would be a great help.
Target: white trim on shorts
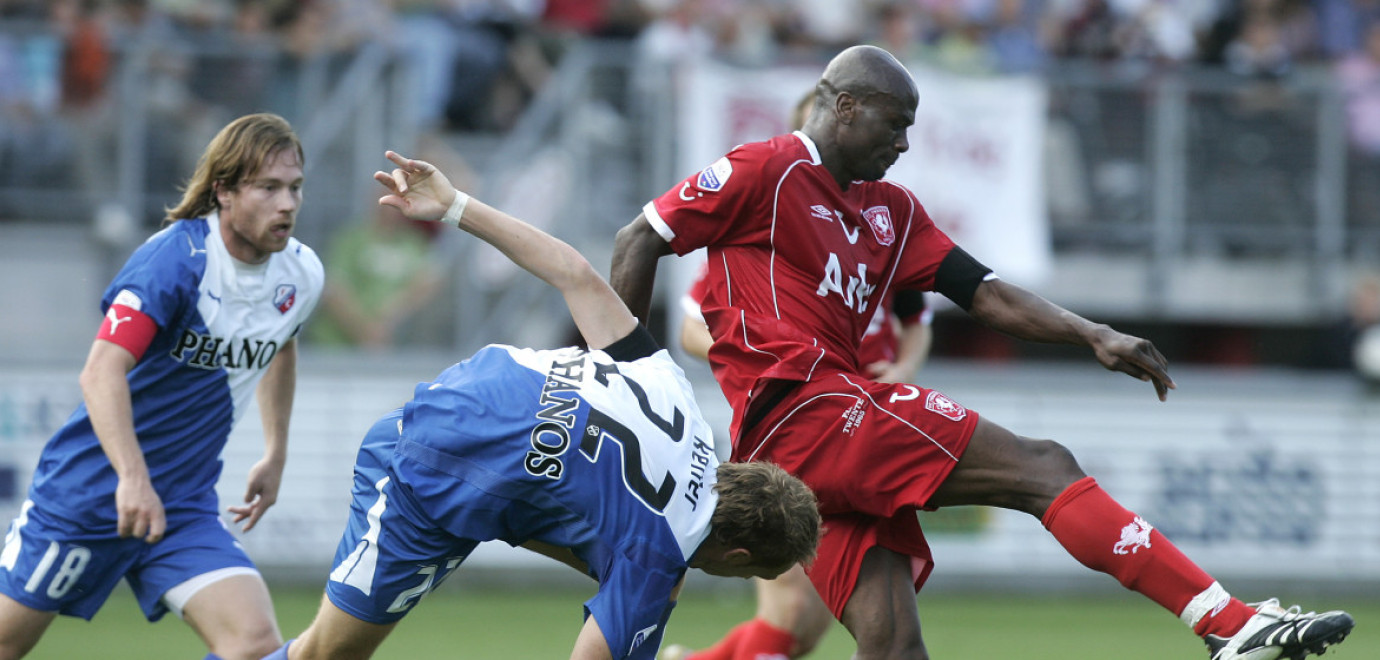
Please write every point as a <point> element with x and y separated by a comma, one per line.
<point>176,598</point>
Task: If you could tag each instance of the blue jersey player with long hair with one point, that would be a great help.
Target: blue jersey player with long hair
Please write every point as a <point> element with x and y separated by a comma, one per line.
<point>201,317</point>
<point>598,457</point>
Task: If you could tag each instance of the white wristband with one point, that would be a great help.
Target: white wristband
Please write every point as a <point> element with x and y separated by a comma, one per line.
<point>457,208</point>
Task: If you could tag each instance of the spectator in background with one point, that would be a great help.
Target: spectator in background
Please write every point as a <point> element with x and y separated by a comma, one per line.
<point>236,75</point>
<point>380,273</point>
<point>679,31</point>
<point>1014,38</point>
<point>35,149</point>
<point>1259,50</point>
<point>86,52</point>
<point>1359,76</point>
<point>1352,343</point>
<point>1085,29</point>
<point>1342,24</point>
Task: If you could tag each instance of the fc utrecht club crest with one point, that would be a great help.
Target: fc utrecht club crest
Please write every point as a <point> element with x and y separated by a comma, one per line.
<point>942,405</point>
<point>879,218</point>
<point>284,297</point>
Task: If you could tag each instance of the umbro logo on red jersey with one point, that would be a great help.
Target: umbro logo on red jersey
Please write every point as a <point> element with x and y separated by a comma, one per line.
<point>829,215</point>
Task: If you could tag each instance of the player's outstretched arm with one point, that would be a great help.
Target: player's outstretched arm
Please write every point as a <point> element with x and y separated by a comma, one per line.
<point>636,250</point>
<point>1020,313</point>
<point>422,192</point>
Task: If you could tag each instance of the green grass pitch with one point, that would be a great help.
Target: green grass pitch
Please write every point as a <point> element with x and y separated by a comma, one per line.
<point>487,624</point>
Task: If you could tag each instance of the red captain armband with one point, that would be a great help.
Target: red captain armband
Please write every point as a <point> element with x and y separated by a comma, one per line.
<point>128,328</point>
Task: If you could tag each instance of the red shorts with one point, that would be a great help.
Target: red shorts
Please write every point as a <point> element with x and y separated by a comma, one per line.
<point>873,453</point>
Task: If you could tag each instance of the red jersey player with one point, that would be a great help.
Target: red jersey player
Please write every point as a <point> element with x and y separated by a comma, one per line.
<point>803,237</point>
<point>791,619</point>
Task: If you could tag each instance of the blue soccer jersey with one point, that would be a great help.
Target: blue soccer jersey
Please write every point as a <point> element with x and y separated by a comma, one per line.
<point>572,448</point>
<point>219,322</point>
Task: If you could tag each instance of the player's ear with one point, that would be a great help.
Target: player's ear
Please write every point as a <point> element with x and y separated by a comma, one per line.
<point>738,557</point>
<point>220,193</point>
<point>845,107</point>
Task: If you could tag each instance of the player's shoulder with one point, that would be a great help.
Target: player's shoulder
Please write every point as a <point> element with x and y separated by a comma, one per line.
<point>181,244</point>
<point>778,152</point>
<point>299,256</point>
<point>897,197</point>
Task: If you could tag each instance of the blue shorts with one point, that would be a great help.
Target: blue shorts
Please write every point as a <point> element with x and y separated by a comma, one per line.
<point>392,553</point>
<point>51,567</point>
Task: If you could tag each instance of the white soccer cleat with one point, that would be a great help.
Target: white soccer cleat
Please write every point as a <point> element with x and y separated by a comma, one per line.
<point>1275,632</point>
<point>675,652</point>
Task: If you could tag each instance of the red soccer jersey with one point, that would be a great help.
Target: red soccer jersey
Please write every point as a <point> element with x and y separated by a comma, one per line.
<point>880,343</point>
<point>796,266</point>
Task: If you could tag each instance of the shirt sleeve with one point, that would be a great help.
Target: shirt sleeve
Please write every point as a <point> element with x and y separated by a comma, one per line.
<point>631,607</point>
<point>925,247</point>
<point>704,208</point>
<point>162,275</point>
<point>909,305</point>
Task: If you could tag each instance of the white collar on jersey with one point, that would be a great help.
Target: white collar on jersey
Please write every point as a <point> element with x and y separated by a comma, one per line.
<point>809,145</point>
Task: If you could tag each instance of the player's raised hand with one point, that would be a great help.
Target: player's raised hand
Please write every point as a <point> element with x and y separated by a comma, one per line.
<point>416,188</point>
<point>1133,356</point>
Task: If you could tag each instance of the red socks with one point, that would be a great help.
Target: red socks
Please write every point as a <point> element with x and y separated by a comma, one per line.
<point>751,640</point>
<point>1105,537</point>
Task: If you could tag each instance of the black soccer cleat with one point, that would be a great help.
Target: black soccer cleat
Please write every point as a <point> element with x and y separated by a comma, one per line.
<point>1275,632</point>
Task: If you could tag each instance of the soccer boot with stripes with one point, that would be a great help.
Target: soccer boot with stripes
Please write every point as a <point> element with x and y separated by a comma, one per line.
<point>674,652</point>
<point>1275,632</point>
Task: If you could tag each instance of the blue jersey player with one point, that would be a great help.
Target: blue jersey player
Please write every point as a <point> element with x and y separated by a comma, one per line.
<point>200,317</point>
<point>597,457</point>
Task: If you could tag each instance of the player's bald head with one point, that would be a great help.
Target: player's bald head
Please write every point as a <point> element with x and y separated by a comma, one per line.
<point>864,71</point>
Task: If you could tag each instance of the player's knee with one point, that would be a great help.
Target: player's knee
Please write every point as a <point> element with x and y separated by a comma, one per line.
<point>250,643</point>
<point>898,646</point>
<point>1053,463</point>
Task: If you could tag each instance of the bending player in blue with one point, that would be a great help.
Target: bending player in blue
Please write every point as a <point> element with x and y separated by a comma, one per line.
<point>201,316</point>
<point>599,458</point>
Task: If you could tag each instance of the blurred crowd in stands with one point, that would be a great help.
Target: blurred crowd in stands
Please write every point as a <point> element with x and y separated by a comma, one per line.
<point>480,60</point>
<point>475,64</point>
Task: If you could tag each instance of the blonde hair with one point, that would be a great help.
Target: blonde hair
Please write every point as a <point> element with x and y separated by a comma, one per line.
<point>234,155</point>
<point>767,511</point>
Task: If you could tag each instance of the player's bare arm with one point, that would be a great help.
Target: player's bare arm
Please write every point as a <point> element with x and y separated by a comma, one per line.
<point>275,396</point>
<point>695,339</point>
<point>636,250</point>
<point>1025,315</point>
<point>105,389</point>
<point>422,192</point>
<point>913,348</point>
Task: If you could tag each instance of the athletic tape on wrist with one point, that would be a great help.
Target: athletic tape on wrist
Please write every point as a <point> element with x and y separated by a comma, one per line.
<point>457,208</point>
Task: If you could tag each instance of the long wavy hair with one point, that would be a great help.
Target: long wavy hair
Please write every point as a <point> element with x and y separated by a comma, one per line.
<point>236,154</point>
